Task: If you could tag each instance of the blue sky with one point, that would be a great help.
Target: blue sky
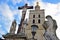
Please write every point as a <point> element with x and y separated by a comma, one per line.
<point>51,1</point>
<point>9,11</point>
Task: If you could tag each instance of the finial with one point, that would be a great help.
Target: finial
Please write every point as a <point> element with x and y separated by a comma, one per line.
<point>37,7</point>
<point>37,3</point>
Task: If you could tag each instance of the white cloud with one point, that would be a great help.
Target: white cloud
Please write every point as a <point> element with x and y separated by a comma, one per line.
<point>6,11</point>
<point>8,15</point>
<point>51,9</point>
<point>16,1</point>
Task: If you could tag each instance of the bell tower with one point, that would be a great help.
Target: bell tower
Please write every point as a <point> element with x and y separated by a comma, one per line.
<point>36,17</point>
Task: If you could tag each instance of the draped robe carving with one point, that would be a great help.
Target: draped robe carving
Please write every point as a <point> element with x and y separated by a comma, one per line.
<point>13,27</point>
<point>50,27</point>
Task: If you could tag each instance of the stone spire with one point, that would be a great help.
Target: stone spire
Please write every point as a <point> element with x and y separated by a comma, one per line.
<point>37,7</point>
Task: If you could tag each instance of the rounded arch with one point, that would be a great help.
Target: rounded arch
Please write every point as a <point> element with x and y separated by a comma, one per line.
<point>34,26</point>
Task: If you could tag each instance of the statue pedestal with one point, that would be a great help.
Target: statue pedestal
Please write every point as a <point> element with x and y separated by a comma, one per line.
<point>14,37</point>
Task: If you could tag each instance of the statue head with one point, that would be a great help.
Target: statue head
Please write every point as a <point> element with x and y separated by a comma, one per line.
<point>48,17</point>
<point>14,22</point>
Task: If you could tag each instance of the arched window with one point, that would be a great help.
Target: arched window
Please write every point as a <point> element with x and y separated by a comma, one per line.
<point>33,21</point>
<point>34,28</point>
<point>39,21</point>
<point>33,16</point>
<point>39,16</point>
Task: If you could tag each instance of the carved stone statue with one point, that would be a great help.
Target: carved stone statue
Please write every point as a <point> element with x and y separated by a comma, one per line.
<point>50,27</point>
<point>13,27</point>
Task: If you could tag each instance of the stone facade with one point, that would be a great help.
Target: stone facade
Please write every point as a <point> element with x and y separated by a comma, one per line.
<point>40,31</point>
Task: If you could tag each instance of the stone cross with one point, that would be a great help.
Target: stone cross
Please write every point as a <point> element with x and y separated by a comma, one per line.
<point>23,15</point>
